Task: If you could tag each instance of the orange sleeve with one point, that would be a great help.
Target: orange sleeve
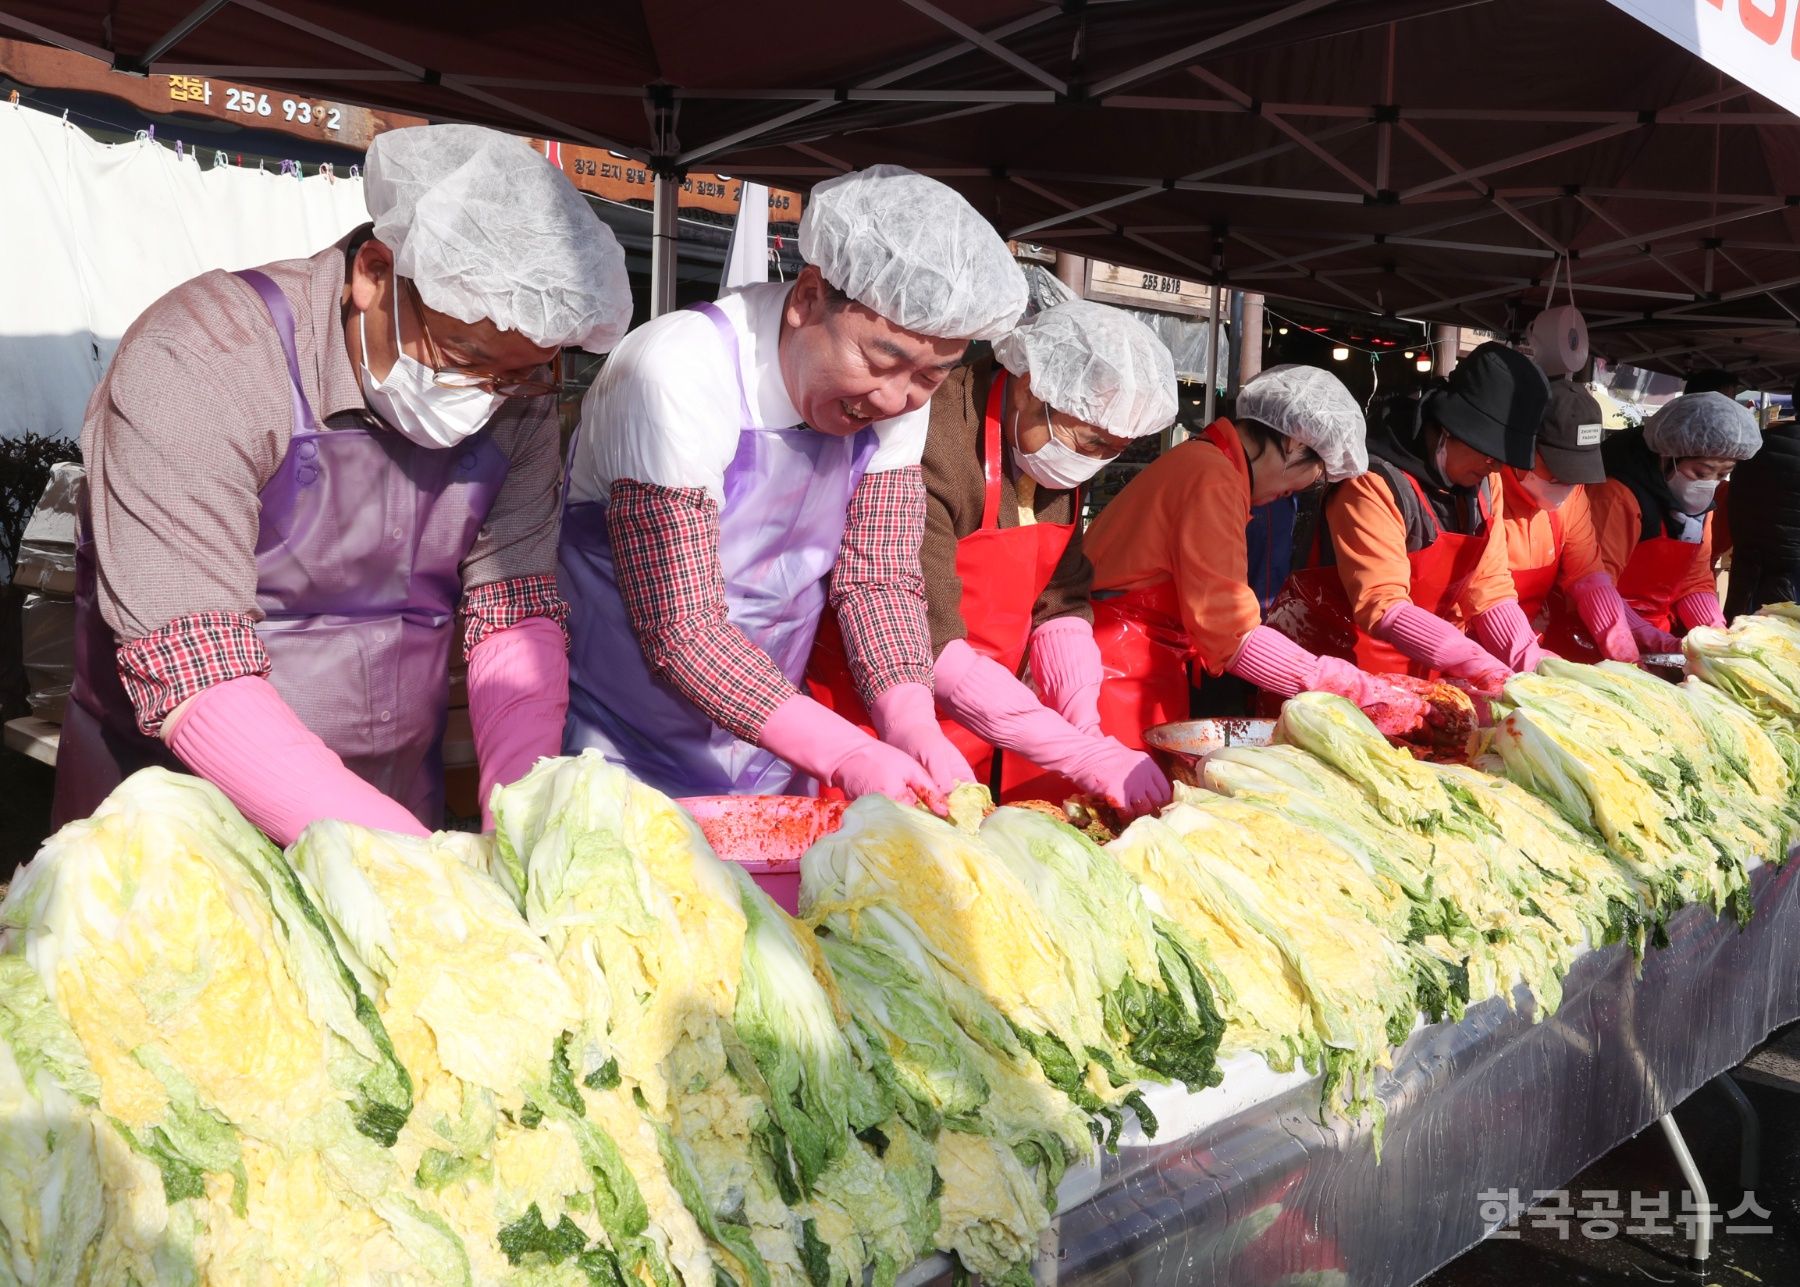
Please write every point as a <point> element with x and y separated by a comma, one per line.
<point>1617,522</point>
<point>1492,583</point>
<point>1369,536</point>
<point>1211,565</point>
<point>1580,548</point>
<point>1700,579</point>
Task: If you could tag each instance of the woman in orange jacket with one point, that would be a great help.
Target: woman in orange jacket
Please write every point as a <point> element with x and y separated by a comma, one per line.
<point>1550,542</point>
<point>1171,579</point>
<point>1652,516</point>
<point>1421,583</point>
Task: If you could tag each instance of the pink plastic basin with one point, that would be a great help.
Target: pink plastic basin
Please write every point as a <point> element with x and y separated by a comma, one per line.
<point>765,835</point>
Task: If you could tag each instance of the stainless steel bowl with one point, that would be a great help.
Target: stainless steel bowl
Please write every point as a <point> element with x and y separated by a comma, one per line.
<point>1182,747</point>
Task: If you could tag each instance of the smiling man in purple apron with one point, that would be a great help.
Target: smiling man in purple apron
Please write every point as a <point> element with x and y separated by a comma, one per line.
<point>742,465</point>
<point>299,476</point>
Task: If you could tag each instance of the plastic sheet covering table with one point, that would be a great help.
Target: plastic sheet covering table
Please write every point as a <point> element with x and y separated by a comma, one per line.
<point>1244,1187</point>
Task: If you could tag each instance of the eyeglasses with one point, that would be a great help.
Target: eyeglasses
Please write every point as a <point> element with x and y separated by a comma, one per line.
<point>452,377</point>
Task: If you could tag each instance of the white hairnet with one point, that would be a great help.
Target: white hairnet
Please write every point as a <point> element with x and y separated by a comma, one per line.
<point>1703,424</point>
<point>487,228</point>
<point>1098,364</point>
<point>912,250</point>
<point>1312,407</point>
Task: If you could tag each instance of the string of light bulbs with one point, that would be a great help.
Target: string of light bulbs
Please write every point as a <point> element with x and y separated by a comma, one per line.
<point>1421,355</point>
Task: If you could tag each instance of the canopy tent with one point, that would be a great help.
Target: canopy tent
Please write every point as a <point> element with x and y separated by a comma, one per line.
<point>1436,159</point>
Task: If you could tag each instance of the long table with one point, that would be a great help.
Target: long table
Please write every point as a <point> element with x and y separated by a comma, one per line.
<point>1245,1186</point>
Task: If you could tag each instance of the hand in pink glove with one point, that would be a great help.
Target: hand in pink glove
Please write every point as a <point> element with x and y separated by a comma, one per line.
<point>1606,615</point>
<point>1701,608</point>
<point>1065,663</point>
<point>518,696</point>
<point>1129,779</point>
<point>245,739</point>
<point>982,695</point>
<point>906,719</point>
<point>1436,643</point>
<point>1335,675</point>
<point>1505,632</point>
<point>824,744</point>
<point>1648,638</point>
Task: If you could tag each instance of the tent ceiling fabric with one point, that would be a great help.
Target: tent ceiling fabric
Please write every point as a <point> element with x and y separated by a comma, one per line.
<point>1434,159</point>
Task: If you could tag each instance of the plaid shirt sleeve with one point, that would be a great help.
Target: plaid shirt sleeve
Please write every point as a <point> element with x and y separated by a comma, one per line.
<point>167,666</point>
<point>878,589</point>
<point>666,549</point>
<point>500,605</point>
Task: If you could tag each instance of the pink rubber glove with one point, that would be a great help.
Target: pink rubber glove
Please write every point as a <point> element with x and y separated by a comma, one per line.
<point>1436,643</point>
<point>820,742</point>
<point>1647,637</point>
<point>1065,663</point>
<point>1399,708</point>
<point>906,719</point>
<point>1606,616</point>
<point>1505,631</point>
<point>982,695</point>
<point>246,740</point>
<point>1276,664</point>
<point>1701,608</point>
<point>518,696</point>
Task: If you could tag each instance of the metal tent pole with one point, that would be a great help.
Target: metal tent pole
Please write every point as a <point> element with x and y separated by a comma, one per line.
<point>1212,355</point>
<point>664,243</point>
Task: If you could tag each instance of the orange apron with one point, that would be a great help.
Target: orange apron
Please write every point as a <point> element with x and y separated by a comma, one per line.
<point>1314,611</point>
<point>1004,571</point>
<point>1533,584</point>
<point>1647,582</point>
<point>1145,652</point>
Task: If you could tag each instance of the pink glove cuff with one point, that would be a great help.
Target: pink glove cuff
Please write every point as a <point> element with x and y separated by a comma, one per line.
<point>1273,662</point>
<point>1429,639</point>
<point>246,740</point>
<point>1701,608</point>
<point>1066,665</point>
<point>1505,632</point>
<point>989,700</point>
<point>518,698</point>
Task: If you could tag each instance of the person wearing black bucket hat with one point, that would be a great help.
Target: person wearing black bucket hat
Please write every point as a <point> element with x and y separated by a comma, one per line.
<point>1417,541</point>
<point>1550,542</point>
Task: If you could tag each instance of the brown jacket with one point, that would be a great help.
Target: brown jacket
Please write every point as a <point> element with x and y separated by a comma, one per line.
<point>955,482</point>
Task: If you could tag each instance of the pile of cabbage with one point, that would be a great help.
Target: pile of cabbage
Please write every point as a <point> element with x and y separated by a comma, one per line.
<point>581,1051</point>
<point>586,1051</point>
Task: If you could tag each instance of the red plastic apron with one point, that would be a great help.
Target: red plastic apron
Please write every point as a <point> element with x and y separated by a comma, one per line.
<point>1647,582</point>
<point>1145,652</point>
<point>1314,611</point>
<point>1004,571</point>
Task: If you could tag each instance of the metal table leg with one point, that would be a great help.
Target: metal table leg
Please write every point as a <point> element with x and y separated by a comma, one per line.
<point>1696,1186</point>
<point>1749,1131</point>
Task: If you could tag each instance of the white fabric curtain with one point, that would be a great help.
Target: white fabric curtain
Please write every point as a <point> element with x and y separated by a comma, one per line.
<point>94,233</point>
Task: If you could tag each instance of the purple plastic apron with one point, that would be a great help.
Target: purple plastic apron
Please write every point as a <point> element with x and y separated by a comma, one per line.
<point>787,493</point>
<point>358,557</point>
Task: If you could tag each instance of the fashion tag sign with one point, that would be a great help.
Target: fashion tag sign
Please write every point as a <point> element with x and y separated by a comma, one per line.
<point>1756,42</point>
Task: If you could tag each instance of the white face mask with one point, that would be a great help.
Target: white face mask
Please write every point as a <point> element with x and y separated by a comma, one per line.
<point>1441,458</point>
<point>1547,494</point>
<point>1692,495</point>
<point>1054,465</point>
<point>411,400</point>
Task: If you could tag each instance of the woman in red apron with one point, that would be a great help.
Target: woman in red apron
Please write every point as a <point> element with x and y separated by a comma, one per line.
<point>1006,578</point>
<point>1170,556</point>
<point>1550,542</point>
<point>1652,516</point>
<point>1417,543</point>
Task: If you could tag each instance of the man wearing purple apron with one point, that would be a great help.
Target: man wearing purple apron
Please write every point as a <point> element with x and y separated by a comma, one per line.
<point>300,475</point>
<point>742,465</point>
